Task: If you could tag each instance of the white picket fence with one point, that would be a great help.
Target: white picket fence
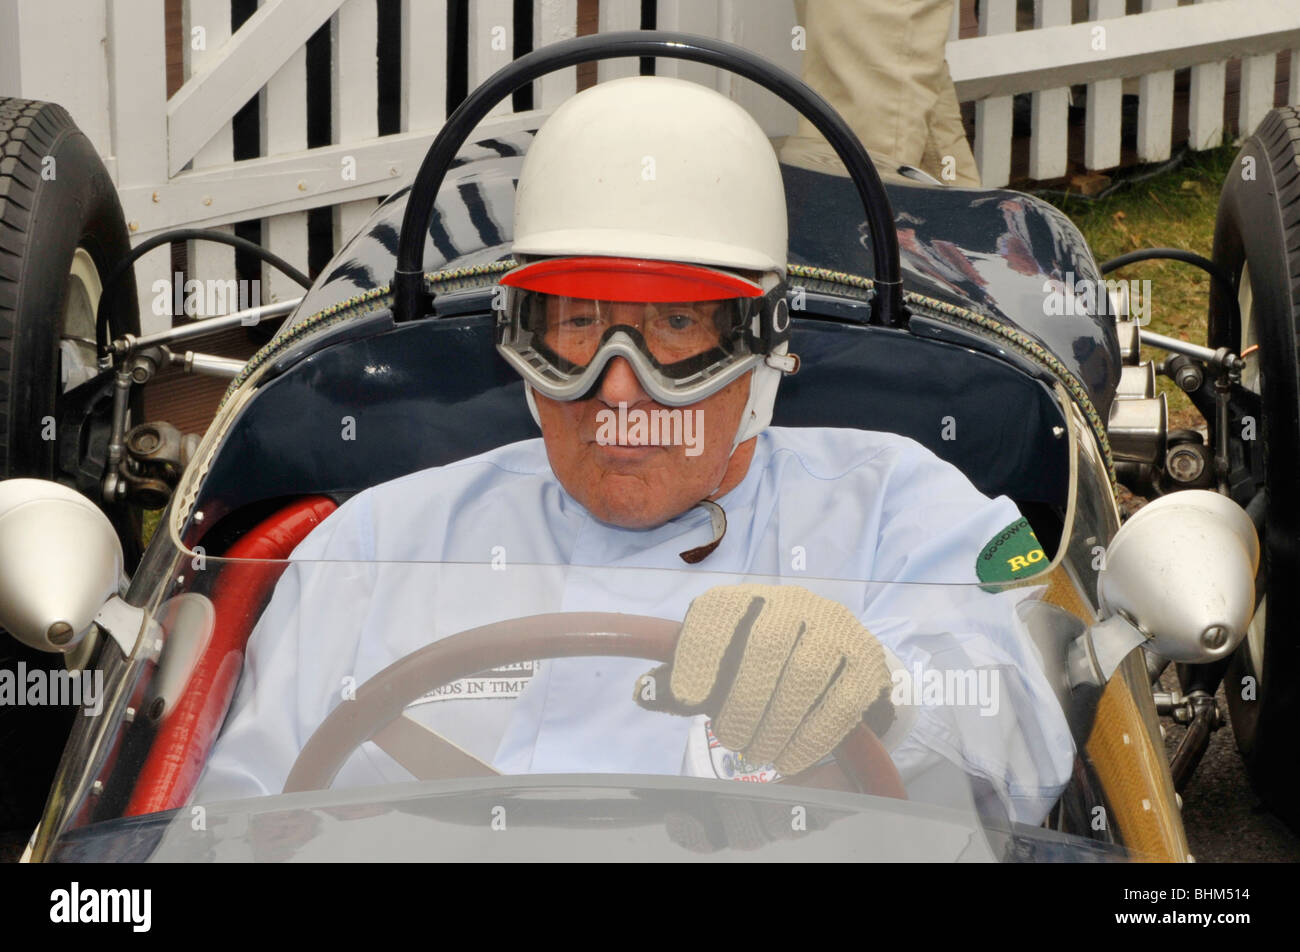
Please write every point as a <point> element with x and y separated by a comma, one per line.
<point>172,157</point>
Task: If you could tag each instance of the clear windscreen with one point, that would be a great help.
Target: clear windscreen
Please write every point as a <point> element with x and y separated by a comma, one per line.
<point>409,707</point>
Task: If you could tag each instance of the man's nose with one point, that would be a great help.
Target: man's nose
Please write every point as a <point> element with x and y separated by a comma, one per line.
<point>619,384</point>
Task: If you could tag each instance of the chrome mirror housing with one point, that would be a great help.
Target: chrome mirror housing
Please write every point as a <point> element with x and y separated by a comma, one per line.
<point>60,560</point>
<point>1181,574</point>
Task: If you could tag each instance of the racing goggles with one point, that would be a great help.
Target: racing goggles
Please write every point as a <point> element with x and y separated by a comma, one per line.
<point>687,330</point>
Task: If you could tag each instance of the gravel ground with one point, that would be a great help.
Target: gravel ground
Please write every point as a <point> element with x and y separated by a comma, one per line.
<point>1225,821</point>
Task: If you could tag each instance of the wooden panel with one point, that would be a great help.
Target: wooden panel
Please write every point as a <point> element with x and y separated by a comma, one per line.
<point>616,16</point>
<point>491,43</point>
<point>177,41</point>
<point>765,27</point>
<point>555,20</point>
<point>1257,75</point>
<point>1049,109</point>
<point>1133,772</point>
<point>1102,126</point>
<point>993,115</point>
<point>206,30</point>
<point>1138,44</point>
<point>1156,104</point>
<point>284,129</point>
<point>138,111</point>
<point>57,52</point>
<point>691,16</point>
<point>354,31</point>
<point>275,185</point>
<point>1205,105</point>
<point>424,64</point>
<point>266,40</point>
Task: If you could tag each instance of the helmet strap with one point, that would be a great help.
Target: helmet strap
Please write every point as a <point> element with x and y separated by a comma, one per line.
<point>757,415</point>
<point>532,404</point>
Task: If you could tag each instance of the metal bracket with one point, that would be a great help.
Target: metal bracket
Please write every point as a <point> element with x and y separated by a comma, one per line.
<point>124,623</point>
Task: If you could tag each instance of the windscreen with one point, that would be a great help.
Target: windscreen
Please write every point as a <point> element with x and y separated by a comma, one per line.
<point>440,694</point>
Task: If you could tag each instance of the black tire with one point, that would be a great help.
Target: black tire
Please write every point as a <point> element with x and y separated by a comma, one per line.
<point>1257,238</point>
<point>56,198</point>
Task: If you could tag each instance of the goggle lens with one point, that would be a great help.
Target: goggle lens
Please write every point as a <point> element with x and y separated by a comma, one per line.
<point>573,328</point>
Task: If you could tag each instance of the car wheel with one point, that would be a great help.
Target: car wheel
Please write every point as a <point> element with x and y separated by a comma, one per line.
<point>1257,238</point>
<point>61,230</point>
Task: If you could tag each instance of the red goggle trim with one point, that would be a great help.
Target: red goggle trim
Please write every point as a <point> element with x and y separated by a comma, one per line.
<point>629,279</point>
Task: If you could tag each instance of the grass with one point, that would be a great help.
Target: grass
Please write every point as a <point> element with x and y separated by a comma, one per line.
<point>1175,209</point>
<point>151,519</point>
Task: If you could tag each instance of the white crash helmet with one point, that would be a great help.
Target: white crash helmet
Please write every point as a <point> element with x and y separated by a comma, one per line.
<point>656,190</point>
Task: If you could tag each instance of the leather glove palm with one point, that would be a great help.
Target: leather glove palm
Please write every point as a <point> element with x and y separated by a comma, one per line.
<point>783,672</point>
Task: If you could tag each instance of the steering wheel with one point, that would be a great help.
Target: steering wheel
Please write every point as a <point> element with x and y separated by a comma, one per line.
<point>411,301</point>
<point>379,702</point>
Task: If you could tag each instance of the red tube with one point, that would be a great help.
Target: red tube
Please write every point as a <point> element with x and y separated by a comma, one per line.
<point>185,738</point>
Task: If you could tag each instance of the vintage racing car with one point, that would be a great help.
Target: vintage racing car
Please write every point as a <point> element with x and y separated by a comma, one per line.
<point>910,298</point>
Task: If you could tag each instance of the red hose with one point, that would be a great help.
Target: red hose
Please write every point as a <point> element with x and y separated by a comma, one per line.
<point>186,736</point>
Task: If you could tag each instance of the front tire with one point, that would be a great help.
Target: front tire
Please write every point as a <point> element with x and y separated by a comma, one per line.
<point>1257,238</point>
<point>61,231</point>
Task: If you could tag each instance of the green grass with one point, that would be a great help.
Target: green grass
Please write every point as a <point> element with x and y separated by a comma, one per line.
<point>1175,209</point>
<point>151,520</point>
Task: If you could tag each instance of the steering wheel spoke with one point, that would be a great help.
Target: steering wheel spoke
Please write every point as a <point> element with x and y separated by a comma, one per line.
<point>426,754</point>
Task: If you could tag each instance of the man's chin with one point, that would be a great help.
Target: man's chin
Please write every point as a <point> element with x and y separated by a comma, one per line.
<point>632,512</point>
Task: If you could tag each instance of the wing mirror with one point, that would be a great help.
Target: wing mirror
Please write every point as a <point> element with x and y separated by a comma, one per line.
<point>1180,576</point>
<point>60,561</point>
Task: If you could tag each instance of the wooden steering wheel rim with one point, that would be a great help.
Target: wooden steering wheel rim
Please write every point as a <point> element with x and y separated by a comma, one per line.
<point>538,637</point>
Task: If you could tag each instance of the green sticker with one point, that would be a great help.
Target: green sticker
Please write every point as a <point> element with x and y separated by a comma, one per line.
<point>1012,554</point>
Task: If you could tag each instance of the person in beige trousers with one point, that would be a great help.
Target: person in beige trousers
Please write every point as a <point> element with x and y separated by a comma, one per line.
<point>881,64</point>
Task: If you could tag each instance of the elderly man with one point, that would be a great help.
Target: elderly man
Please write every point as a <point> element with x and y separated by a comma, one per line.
<point>648,319</point>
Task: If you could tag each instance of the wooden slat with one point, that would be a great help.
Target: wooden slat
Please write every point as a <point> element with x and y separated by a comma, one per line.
<point>764,27</point>
<point>1141,43</point>
<point>555,20</point>
<point>284,129</point>
<point>138,109</point>
<point>242,67</point>
<point>355,70</point>
<point>208,260</point>
<point>1256,97</point>
<point>57,52</point>
<point>1156,104</point>
<point>1049,109</point>
<point>1205,104</point>
<point>424,64</point>
<point>491,43</point>
<point>616,16</point>
<point>1102,124</point>
<point>993,115</point>
<point>275,185</point>
<point>691,16</point>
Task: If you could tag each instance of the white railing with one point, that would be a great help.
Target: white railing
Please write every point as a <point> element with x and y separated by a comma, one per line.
<point>172,157</point>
